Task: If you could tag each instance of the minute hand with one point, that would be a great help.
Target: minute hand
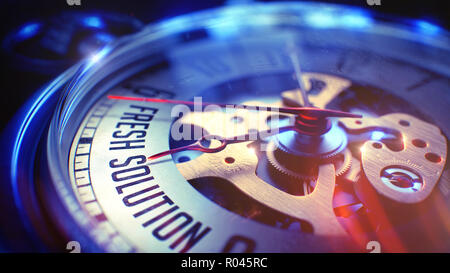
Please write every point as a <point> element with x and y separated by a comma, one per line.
<point>308,111</point>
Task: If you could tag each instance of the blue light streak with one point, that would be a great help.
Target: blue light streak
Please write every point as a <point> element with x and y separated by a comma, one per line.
<point>377,135</point>
<point>93,21</point>
<point>426,28</point>
<point>327,19</point>
<point>29,30</point>
<point>23,129</point>
<point>356,20</point>
<point>321,19</point>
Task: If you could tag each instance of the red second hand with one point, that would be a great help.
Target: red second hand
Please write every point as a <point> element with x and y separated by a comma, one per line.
<point>309,111</point>
<point>303,112</point>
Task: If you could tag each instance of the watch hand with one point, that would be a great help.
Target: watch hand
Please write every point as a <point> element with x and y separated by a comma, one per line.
<point>198,146</point>
<point>301,93</point>
<point>308,112</point>
<point>307,117</point>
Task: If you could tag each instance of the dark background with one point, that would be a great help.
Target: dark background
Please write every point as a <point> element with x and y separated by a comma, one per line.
<point>14,12</point>
<point>17,85</point>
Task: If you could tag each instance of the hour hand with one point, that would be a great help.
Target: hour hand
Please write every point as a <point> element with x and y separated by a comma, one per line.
<point>215,143</point>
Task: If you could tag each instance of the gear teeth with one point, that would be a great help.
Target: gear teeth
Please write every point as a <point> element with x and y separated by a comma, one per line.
<point>319,156</point>
<point>283,170</point>
<point>346,163</point>
<point>342,169</point>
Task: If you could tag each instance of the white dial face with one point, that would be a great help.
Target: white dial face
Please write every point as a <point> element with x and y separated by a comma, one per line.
<point>169,205</point>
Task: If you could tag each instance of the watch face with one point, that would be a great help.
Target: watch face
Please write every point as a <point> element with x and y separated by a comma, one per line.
<point>270,128</point>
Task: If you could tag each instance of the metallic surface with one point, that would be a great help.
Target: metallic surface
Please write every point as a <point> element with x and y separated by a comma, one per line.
<point>114,200</point>
<point>376,157</point>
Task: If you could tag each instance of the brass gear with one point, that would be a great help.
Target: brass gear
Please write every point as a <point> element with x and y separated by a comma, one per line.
<point>342,162</point>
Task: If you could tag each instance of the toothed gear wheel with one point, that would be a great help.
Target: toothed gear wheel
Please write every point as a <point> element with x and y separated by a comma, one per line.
<point>321,156</point>
<point>324,146</point>
<point>342,162</point>
<point>278,166</point>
